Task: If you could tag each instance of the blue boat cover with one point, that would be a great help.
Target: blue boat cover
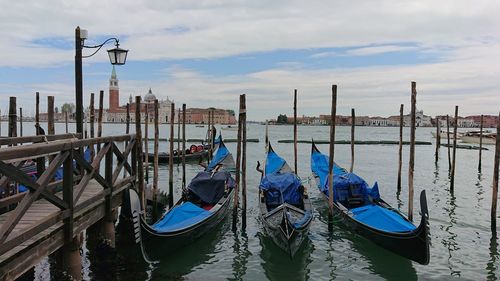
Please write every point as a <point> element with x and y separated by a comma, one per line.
<point>345,184</point>
<point>282,188</point>
<point>180,217</point>
<point>273,162</point>
<point>219,156</point>
<point>210,187</point>
<point>382,218</point>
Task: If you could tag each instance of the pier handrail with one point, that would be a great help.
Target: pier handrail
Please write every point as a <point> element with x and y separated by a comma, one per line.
<point>34,139</point>
<point>77,173</point>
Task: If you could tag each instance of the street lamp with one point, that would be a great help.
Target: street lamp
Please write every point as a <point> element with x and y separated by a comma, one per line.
<point>117,56</point>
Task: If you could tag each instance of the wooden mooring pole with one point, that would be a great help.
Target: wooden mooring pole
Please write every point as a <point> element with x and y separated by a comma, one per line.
<point>183,146</point>
<point>50,115</point>
<point>295,131</point>
<point>99,118</point>
<point>12,117</point>
<point>481,142</point>
<point>20,121</point>
<point>146,141</point>
<point>127,131</point>
<point>331,159</point>
<point>178,133</point>
<point>40,162</point>
<point>244,167</point>
<point>155,161</point>
<point>92,124</point>
<point>400,156</point>
<point>411,165</point>
<point>238,162</point>
<point>353,125</point>
<point>209,131</point>
<point>448,141</point>
<point>267,135</point>
<point>171,159</point>
<point>452,176</point>
<point>66,121</point>
<point>139,156</point>
<point>438,139</point>
<point>494,196</point>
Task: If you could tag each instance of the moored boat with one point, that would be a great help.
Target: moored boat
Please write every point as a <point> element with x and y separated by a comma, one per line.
<point>284,205</point>
<point>195,153</point>
<point>363,210</point>
<point>474,137</point>
<point>444,135</point>
<point>203,205</point>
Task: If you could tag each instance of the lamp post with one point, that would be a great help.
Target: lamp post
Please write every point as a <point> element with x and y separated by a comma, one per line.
<point>117,56</point>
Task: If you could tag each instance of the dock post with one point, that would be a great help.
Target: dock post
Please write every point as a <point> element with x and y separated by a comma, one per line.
<point>452,176</point>
<point>295,130</point>
<point>146,142</point>
<point>66,121</point>
<point>244,166</point>
<point>12,117</point>
<point>400,156</point>
<point>438,139</point>
<point>448,141</point>
<point>171,159</point>
<point>267,135</point>
<point>20,121</point>
<point>40,162</point>
<point>238,162</point>
<point>183,146</point>
<point>107,224</point>
<point>99,117</point>
<point>411,165</point>
<point>71,259</point>
<point>481,143</point>
<point>331,160</point>
<point>127,131</point>
<point>178,133</point>
<point>139,157</point>
<point>353,125</point>
<point>494,196</point>
<point>92,121</point>
<point>50,115</point>
<point>155,161</point>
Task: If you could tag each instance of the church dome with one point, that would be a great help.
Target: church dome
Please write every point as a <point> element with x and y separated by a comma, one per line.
<point>149,97</point>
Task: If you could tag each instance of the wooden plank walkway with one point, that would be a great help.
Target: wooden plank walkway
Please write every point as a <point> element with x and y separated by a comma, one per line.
<point>89,209</point>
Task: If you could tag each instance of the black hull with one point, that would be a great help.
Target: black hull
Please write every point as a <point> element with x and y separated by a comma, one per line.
<point>413,245</point>
<point>161,244</point>
<point>291,240</point>
<point>164,158</point>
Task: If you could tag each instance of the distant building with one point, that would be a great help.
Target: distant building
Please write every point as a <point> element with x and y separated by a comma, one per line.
<point>200,116</point>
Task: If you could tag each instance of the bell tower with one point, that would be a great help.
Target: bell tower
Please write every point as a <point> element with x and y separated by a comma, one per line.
<point>114,91</point>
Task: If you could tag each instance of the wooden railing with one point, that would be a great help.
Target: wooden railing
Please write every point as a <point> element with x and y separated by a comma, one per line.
<point>66,153</point>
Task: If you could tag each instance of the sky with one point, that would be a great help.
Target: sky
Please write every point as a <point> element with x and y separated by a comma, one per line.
<point>207,53</point>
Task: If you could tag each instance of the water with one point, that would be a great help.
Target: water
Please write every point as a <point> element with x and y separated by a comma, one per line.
<point>462,244</point>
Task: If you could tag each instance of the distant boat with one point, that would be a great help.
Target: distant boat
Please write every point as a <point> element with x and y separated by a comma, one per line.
<point>200,126</point>
<point>444,135</point>
<point>231,128</point>
<point>474,137</point>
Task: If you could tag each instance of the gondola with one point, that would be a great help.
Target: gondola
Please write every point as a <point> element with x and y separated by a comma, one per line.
<point>285,207</point>
<point>191,156</point>
<point>203,205</point>
<point>362,210</point>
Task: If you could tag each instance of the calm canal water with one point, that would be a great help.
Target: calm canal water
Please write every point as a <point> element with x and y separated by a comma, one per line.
<point>462,244</point>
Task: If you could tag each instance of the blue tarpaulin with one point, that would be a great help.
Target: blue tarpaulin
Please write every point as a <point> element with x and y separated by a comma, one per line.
<point>273,162</point>
<point>286,185</point>
<point>345,184</point>
<point>181,217</point>
<point>219,156</point>
<point>381,218</point>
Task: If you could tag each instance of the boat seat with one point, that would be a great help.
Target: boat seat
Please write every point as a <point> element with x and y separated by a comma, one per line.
<point>355,199</point>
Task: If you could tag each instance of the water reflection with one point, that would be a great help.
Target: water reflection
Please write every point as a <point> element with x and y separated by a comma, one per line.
<point>241,254</point>
<point>385,263</point>
<point>278,265</point>
<point>492,266</point>
<point>480,191</point>
<point>450,242</point>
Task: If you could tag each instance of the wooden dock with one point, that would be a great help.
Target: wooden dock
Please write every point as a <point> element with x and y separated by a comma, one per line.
<point>53,213</point>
